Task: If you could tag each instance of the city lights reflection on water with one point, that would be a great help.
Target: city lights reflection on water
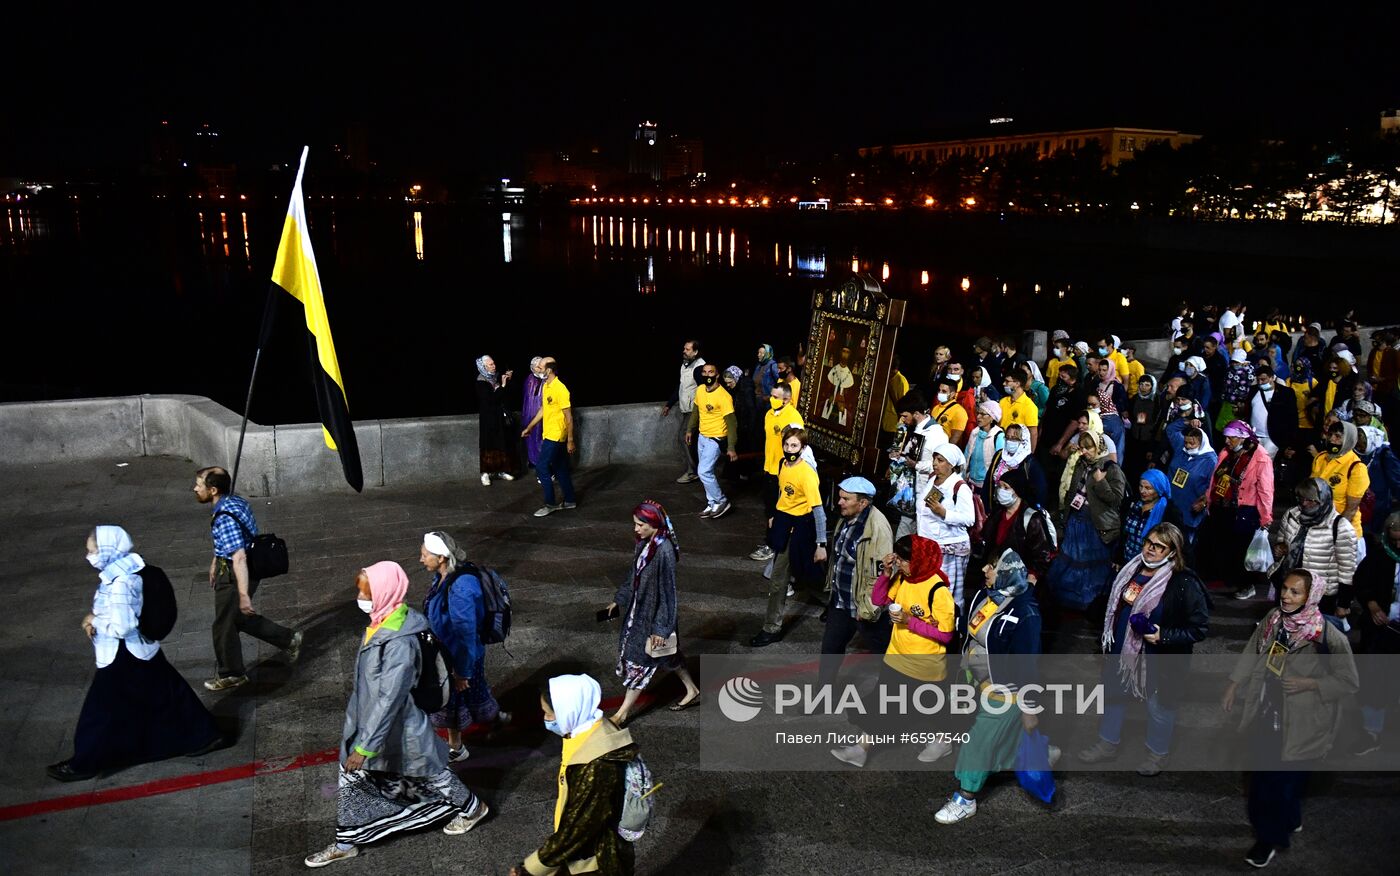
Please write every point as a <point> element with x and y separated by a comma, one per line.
<point>418,234</point>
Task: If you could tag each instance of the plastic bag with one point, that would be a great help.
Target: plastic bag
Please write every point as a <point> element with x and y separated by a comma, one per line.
<point>1260,556</point>
<point>1033,766</point>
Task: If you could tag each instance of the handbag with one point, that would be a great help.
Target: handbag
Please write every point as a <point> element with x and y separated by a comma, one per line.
<point>669,647</point>
<point>267,554</point>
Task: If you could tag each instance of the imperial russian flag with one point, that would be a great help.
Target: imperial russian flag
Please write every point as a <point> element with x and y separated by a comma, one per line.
<point>295,273</point>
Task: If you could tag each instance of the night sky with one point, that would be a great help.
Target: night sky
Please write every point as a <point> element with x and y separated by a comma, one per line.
<point>473,89</point>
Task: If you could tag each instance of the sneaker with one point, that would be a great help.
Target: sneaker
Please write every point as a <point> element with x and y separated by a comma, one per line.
<point>720,510</point>
<point>547,510</point>
<point>689,477</point>
<point>935,751</point>
<point>851,754</point>
<point>294,649</point>
<point>1152,765</point>
<point>463,823</point>
<point>959,808</point>
<point>485,479</point>
<point>1260,854</point>
<point>457,755</point>
<point>790,592</point>
<point>1370,743</point>
<point>329,855</point>
<point>227,682</point>
<point>568,506</point>
<point>505,476</point>
<point>707,512</point>
<point>1245,593</point>
<point>1100,751</point>
<point>1054,751</point>
<point>763,554</point>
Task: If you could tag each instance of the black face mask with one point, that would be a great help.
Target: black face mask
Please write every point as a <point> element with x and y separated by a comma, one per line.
<point>709,379</point>
<point>1334,447</point>
<point>792,457</point>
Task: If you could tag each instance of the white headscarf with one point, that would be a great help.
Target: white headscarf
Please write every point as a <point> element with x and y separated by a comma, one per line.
<point>1198,363</point>
<point>114,558</point>
<point>1036,376</point>
<point>951,453</point>
<point>1205,444</point>
<point>575,699</point>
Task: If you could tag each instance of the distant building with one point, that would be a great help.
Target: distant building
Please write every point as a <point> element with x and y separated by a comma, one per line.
<point>644,152</point>
<point>1119,144</point>
<point>1390,121</point>
<point>682,157</point>
<point>579,167</point>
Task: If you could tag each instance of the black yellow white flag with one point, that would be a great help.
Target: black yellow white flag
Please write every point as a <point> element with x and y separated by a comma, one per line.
<point>295,273</point>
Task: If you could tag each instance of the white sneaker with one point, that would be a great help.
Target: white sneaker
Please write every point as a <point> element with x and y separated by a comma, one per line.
<point>958,808</point>
<point>764,552</point>
<point>851,754</point>
<point>548,510</point>
<point>485,479</point>
<point>457,755</point>
<point>329,855</point>
<point>935,751</point>
<point>463,823</point>
<point>505,476</point>
<point>791,592</point>
<point>1055,753</point>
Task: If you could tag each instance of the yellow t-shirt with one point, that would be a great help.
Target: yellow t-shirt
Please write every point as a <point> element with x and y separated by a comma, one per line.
<point>555,401</point>
<point>951,416</point>
<point>1349,480</point>
<point>713,405</point>
<point>1120,363</point>
<point>899,385</point>
<point>1052,370</point>
<point>1130,380</point>
<point>910,653</point>
<point>1021,411</point>
<point>1300,394</point>
<point>796,386</point>
<point>798,488</point>
<point>774,422</point>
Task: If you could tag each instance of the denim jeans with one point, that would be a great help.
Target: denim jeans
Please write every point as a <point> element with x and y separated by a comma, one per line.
<point>709,461</point>
<point>1161,721</point>
<point>553,463</point>
<point>1113,428</point>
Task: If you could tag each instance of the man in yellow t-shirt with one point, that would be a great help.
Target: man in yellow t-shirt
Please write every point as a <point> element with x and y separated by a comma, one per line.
<point>1017,407</point>
<point>713,415</point>
<point>557,416</point>
<point>798,525</point>
<point>1135,369</point>
<point>787,375</point>
<point>947,412</point>
<point>1343,471</point>
<point>780,415</point>
<point>899,385</point>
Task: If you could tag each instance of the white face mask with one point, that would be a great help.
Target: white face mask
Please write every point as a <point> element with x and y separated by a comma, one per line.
<point>1006,497</point>
<point>1014,447</point>
<point>94,562</point>
<point>1157,565</point>
<point>366,605</point>
<point>942,397</point>
<point>1190,371</point>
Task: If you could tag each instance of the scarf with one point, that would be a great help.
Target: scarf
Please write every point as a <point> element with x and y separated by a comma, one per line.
<point>1159,482</point>
<point>1132,669</point>
<point>734,373</point>
<point>575,699</point>
<point>482,374</point>
<point>767,355</point>
<point>1007,460</point>
<point>388,585</point>
<point>1205,445</point>
<point>1308,519</point>
<point>653,514</point>
<point>1011,579</point>
<point>1348,441</point>
<point>1301,627</point>
<point>114,553</point>
<point>927,560</point>
<point>442,545</point>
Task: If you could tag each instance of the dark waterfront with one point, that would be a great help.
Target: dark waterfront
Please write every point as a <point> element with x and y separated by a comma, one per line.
<point>125,299</point>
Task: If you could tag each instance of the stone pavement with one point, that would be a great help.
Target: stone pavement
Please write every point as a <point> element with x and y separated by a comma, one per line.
<point>560,569</point>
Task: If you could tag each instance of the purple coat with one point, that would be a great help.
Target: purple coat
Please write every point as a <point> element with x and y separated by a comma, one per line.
<point>530,405</point>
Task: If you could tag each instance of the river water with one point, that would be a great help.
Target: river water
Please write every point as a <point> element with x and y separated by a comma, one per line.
<point>118,299</point>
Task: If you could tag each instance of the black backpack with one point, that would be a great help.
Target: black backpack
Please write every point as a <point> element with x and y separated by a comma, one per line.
<point>430,693</point>
<point>495,600</point>
<point>158,608</point>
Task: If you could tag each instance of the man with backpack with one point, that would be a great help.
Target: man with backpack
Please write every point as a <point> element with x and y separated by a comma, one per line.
<point>605,789</point>
<point>458,616</point>
<point>233,527</point>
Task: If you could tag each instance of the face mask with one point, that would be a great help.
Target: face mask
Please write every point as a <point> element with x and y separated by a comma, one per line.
<point>1190,371</point>
<point>94,562</point>
<point>1177,351</point>
<point>1014,447</point>
<point>1006,497</point>
<point>792,457</point>
<point>1157,565</point>
<point>1006,388</point>
<point>1103,351</point>
<point>956,375</point>
<point>1059,352</point>
<point>776,404</point>
<point>1266,388</point>
<point>1334,448</point>
<point>943,397</point>
<point>553,727</point>
<point>709,381</point>
<point>366,605</point>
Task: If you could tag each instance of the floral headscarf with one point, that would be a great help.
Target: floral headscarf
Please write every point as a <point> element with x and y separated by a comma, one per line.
<point>493,378</point>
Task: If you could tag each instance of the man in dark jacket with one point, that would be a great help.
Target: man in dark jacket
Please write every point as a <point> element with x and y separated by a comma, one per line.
<point>1066,401</point>
<point>1271,411</point>
<point>1217,366</point>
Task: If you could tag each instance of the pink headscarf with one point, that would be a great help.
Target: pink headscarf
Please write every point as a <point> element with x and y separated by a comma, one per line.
<point>388,585</point>
<point>1105,389</point>
<point>1304,625</point>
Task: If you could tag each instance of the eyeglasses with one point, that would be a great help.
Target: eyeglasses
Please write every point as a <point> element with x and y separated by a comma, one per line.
<point>1156,545</point>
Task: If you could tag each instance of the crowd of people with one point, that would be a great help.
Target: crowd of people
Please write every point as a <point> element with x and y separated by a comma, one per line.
<point>1015,496</point>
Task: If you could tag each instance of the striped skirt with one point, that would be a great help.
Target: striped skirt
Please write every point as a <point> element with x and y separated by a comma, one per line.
<point>372,805</point>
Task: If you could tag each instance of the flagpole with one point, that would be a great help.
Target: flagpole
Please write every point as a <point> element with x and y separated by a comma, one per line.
<point>264,335</point>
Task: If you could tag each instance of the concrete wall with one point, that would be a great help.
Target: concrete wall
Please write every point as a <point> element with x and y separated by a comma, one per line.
<point>294,458</point>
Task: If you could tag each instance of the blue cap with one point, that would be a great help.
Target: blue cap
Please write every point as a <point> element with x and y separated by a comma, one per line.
<point>858,486</point>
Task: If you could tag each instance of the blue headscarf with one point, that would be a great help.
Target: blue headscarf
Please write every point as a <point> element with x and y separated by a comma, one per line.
<point>1012,578</point>
<point>1159,482</point>
<point>483,374</point>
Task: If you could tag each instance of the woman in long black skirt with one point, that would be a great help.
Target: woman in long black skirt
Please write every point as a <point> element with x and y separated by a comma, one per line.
<point>138,707</point>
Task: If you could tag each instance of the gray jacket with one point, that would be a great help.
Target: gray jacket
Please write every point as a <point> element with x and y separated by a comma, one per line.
<point>656,604</point>
<point>381,716</point>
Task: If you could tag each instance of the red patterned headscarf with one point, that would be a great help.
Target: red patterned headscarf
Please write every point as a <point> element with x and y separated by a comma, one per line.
<point>926,561</point>
<point>653,513</point>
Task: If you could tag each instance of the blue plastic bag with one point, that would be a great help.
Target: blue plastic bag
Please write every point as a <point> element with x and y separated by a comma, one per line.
<point>1033,766</point>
